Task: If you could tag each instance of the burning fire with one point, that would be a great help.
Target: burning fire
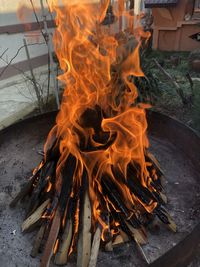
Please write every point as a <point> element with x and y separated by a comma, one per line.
<point>100,124</point>
<point>96,170</point>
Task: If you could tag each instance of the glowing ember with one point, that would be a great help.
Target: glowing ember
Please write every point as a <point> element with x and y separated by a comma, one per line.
<point>97,172</point>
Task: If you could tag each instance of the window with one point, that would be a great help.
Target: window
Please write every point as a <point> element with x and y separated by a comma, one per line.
<point>197,6</point>
<point>160,3</point>
<point>196,14</point>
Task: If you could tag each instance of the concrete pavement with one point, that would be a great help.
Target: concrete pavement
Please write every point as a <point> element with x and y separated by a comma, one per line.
<point>17,97</point>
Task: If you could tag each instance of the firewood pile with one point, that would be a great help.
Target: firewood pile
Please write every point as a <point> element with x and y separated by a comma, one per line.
<point>66,221</point>
<point>97,185</point>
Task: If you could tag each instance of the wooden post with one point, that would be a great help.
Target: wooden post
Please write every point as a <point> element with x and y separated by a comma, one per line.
<point>38,95</point>
<point>137,7</point>
<point>49,44</point>
<point>120,10</point>
<point>137,11</point>
<point>131,17</point>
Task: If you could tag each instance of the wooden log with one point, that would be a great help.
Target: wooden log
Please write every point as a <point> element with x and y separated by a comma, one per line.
<point>27,187</point>
<point>155,163</point>
<point>172,226</point>
<point>38,240</point>
<point>48,251</point>
<point>164,216</point>
<point>84,242</point>
<point>35,216</point>
<point>40,152</point>
<point>137,234</point>
<point>23,192</point>
<point>163,197</point>
<point>95,247</point>
<point>65,242</point>
<point>124,236</point>
<point>39,190</point>
<point>109,246</point>
<point>142,252</point>
<point>120,239</point>
<point>140,239</point>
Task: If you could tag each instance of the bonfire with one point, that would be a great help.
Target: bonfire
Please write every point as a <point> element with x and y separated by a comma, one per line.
<point>97,185</point>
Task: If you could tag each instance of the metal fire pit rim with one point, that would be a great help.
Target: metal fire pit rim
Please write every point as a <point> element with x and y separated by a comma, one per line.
<point>182,253</point>
<point>175,120</point>
<point>55,112</point>
<point>28,119</point>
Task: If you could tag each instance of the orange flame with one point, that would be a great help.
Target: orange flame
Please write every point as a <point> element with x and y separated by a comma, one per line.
<point>49,186</point>
<point>55,249</point>
<point>87,52</point>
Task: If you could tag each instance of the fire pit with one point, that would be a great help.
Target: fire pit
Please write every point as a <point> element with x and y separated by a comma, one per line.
<point>97,183</point>
<point>177,148</point>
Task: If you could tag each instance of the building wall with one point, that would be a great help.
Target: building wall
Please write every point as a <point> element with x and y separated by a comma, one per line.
<point>13,29</point>
<point>169,16</point>
<point>171,29</point>
<point>17,92</point>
